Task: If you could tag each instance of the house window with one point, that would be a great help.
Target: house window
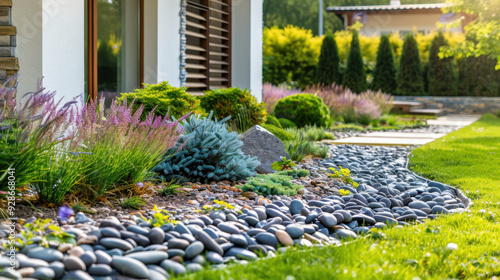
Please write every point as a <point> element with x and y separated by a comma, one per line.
<point>208,45</point>
<point>113,47</point>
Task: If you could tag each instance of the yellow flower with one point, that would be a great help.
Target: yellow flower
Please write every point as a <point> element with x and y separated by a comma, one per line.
<point>155,208</point>
<point>344,192</point>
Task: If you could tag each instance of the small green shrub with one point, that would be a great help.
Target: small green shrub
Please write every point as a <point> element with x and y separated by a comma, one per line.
<point>241,121</point>
<point>170,188</point>
<point>134,202</point>
<point>319,150</point>
<point>303,109</point>
<point>274,121</point>
<point>300,147</point>
<point>278,132</point>
<point>388,119</point>
<point>229,101</point>
<point>271,184</point>
<point>286,123</point>
<point>312,133</point>
<point>208,152</point>
<point>315,133</point>
<point>295,173</point>
<point>283,163</point>
<point>166,98</point>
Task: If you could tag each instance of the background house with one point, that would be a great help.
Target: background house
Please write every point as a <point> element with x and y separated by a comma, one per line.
<point>387,19</point>
<point>112,46</point>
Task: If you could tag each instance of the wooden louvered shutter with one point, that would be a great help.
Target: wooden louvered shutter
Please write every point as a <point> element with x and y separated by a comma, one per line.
<point>208,45</point>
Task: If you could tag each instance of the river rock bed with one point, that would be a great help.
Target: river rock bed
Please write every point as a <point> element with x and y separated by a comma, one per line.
<point>130,248</point>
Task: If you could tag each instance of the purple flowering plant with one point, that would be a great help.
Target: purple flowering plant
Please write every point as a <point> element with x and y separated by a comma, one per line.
<point>65,212</point>
<point>119,149</point>
<point>31,126</point>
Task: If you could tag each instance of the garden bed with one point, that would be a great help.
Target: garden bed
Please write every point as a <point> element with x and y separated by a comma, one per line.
<point>326,211</point>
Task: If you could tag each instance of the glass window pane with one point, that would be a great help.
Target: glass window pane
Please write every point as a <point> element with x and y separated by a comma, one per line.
<point>117,47</point>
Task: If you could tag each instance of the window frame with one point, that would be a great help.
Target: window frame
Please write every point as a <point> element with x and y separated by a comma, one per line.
<point>92,91</point>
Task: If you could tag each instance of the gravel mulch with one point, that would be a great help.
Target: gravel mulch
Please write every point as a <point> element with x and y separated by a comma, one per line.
<point>114,243</point>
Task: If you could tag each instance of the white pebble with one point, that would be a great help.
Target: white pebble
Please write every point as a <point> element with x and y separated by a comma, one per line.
<point>451,246</point>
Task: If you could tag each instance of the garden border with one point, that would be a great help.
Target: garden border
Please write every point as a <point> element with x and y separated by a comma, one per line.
<point>465,200</point>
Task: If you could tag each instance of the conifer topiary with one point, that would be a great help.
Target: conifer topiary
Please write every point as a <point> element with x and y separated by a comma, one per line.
<point>441,75</point>
<point>355,76</point>
<point>328,66</point>
<point>384,76</point>
<point>409,78</point>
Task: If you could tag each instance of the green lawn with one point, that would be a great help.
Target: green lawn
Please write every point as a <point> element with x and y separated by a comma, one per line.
<point>468,159</point>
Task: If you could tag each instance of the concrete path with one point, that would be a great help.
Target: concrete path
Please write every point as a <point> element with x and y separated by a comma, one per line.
<point>459,120</point>
<point>407,138</point>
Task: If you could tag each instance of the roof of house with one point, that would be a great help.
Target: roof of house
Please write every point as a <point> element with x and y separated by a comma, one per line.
<point>385,7</point>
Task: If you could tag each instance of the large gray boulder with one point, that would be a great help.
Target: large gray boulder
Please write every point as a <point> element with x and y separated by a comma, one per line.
<point>260,143</point>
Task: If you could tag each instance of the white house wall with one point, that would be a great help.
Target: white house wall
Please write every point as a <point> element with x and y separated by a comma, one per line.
<point>247,45</point>
<point>50,43</point>
<point>162,41</point>
<point>27,17</point>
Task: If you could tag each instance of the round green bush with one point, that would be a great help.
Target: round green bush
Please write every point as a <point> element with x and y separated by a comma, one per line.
<point>278,132</point>
<point>286,123</point>
<point>229,101</point>
<point>274,121</point>
<point>303,109</point>
<point>166,98</point>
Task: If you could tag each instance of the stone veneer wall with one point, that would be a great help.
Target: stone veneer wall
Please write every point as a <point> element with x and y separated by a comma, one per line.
<point>458,104</point>
<point>9,65</point>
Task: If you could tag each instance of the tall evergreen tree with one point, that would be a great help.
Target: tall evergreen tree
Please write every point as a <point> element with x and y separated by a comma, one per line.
<point>442,74</point>
<point>478,77</point>
<point>384,76</point>
<point>409,78</point>
<point>328,66</point>
<point>355,76</point>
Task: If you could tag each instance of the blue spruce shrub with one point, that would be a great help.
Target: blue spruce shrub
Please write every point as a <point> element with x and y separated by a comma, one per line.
<point>210,153</point>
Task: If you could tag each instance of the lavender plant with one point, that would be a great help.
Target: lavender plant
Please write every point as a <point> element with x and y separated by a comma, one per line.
<point>352,107</point>
<point>30,129</point>
<point>118,149</point>
<point>271,94</point>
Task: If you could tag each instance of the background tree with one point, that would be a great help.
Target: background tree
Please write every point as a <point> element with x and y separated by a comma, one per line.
<point>384,75</point>
<point>477,76</point>
<point>355,76</point>
<point>305,14</point>
<point>483,34</point>
<point>441,74</point>
<point>290,55</point>
<point>328,66</point>
<point>409,78</point>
